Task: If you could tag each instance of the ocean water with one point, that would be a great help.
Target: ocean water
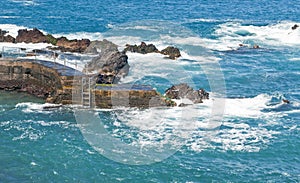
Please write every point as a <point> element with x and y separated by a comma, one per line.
<point>244,133</point>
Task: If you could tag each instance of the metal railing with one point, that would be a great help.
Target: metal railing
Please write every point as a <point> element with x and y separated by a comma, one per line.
<point>40,54</point>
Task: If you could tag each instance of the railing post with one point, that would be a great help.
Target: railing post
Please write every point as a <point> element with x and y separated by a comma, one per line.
<point>2,51</point>
<point>90,104</point>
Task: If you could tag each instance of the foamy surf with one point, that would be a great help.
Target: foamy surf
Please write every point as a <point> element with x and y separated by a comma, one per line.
<point>231,34</point>
<point>30,107</point>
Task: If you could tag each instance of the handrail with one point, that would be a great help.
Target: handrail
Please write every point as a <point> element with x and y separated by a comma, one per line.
<point>17,52</point>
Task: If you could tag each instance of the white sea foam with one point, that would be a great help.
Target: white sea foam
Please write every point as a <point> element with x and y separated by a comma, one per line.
<point>9,17</point>
<point>158,66</point>
<point>193,126</point>
<point>295,59</point>
<point>26,2</point>
<point>11,28</point>
<point>30,107</point>
<point>202,20</point>
<point>231,34</point>
<point>81,35</point>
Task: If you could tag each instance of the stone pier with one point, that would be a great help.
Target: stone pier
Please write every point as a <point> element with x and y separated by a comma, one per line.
<point>60,84</point>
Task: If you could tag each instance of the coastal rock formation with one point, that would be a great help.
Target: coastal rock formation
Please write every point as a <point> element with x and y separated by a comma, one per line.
<point>172,52</point>
<point>7,38</point>
<point>182,91</point>
<point>74,45</point>
<point>143,48</point>
<point>31,36</point>
<point>99,46</point>
<point>111,65</point>
<point>62,43</point>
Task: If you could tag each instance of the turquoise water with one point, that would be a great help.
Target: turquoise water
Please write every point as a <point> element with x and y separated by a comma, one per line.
<point>257,139</point>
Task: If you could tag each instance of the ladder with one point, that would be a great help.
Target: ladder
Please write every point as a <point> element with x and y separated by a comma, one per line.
<point>86,97</point>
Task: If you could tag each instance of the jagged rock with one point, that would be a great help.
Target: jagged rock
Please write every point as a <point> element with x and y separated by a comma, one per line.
<point>7,38</point>
<point>74,45</point>
<point>99,46</point>
<point>111,66</point>
<point>182,91</point>
<point>3,32</point>
<point>172,52</point>
<point>143,48</point>
<point>31,36</point>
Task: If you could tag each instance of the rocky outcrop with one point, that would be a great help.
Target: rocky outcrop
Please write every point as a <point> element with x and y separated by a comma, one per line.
<point>96,47</point>
<point>62,43</point>
<point>171,51</point>
<point>143,48</point>
<point>111,65</point>
<point>4,38</point>
<point>31,36</point>
<point>183,91</point>
<point>65,45</point>
<point>8,39</point>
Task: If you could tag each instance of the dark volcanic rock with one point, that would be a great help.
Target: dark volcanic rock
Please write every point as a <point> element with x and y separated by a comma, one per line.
<point>3,32</point>
<point>143,48</point>
<point>31,36</point>
<point>100,46</point>
<point>75,45</point>
<point>7,38</point>
<point>295,27</point>
<point>111,65</point>
<point>62,43</point>
<point>172,52</point>
<point>182,91</point>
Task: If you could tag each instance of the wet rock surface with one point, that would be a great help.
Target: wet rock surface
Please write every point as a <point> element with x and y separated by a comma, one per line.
<point>6,38</point>
<point>74,45</point>
<point>111,65</point>
<point>172,52</point>
<point>96,47</point>
<point>183,91</point>
<point>144,48</point>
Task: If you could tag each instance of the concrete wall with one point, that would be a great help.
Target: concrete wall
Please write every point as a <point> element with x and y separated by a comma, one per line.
<point>47,83</point>
<point>34,78</point>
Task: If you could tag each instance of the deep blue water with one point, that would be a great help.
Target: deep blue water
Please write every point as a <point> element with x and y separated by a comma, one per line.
<point>258,139</point>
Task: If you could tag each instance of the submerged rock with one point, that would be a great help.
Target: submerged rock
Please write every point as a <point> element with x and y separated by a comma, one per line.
<point>183,91</point>
<point>172,52</point>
